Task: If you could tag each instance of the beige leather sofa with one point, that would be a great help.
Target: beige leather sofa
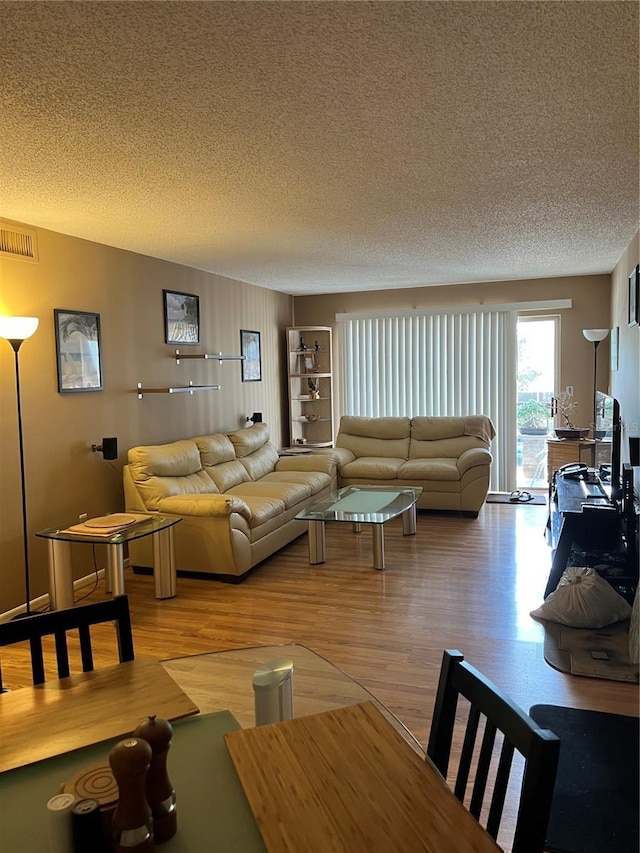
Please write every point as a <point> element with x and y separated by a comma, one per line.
<point>448,456</point>
<point>236,497</point>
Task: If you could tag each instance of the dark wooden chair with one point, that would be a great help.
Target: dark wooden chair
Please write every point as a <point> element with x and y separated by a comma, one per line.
<point>539,748</point>
<point>58,622</point>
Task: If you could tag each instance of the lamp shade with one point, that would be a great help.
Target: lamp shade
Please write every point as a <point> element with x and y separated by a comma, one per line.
<point>17,328</point>
<point>595,335</point>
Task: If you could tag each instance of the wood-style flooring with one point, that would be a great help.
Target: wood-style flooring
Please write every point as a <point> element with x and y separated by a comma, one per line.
<point>459,583</point>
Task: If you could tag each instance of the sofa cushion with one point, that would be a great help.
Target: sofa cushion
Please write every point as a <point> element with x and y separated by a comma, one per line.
<point>376,468</point>
<point>254,451</point>
<point>161,471</point>
<point>429,469</point>
<point>378,437</point>
<point>447,448</point>
<point>438,428</point>
<point>219,461</point>
<point>314,480</point>
<point>288,493</point>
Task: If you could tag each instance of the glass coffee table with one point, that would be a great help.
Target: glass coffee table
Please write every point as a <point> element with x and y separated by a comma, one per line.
<point>360,505</point>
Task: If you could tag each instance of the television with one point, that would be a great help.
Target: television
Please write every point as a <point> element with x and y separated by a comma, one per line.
<point>608,433</point>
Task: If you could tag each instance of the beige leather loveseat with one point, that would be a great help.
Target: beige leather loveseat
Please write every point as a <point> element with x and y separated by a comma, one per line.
<point>237,498</point>
<point>448,456</point>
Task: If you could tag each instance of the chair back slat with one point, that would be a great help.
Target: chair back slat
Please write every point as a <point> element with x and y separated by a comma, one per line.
<point>33,628</point>
<point>37,659</point>
<point>86,651</point>
<point>62,654</point>
<point>466,756</point>
<point>500,789</point>
<point>539,748</point>
<point>482,769</point>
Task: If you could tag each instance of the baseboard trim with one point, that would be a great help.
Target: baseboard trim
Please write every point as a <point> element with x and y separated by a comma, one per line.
<point>43,600</point>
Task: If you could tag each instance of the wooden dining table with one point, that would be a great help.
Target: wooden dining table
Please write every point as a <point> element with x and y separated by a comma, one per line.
<point>341,780</point>
<point>68,713</point>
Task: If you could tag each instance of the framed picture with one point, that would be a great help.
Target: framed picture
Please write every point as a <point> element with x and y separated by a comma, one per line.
<point>181,317</point>
<point>634,296</point>
<point>78,350</point>
<point>614,348</point>
<point>250,349</point>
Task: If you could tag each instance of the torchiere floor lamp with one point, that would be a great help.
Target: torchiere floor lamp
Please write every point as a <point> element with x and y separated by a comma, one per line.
<point>16,330</point>
<point>595,336</point>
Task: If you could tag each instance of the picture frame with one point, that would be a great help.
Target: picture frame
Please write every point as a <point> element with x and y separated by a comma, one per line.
<point>181,317</point>
<point>614,347</point>
<point>78,350</point>
<point>634,296</point>
<point>251,364</point>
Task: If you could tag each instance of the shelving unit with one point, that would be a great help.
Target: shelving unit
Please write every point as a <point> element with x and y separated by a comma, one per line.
<point>310,376</point>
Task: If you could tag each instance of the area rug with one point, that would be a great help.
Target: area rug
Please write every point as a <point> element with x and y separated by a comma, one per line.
<point>602,653</point>
<point>503,498</point>
<point>595,801</point>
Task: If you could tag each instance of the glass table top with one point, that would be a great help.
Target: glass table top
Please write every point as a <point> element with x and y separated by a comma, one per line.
<point>149,523</point>
<point>362,504</point>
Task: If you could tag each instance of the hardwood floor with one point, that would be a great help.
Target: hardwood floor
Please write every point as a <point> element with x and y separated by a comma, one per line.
<point>460,583</point>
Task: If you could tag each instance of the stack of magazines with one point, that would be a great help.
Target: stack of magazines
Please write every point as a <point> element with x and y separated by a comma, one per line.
<point>107,525</point>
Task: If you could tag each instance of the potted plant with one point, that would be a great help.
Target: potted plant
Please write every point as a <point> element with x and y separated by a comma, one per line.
<point>533,417</point>
<point>566,406</point>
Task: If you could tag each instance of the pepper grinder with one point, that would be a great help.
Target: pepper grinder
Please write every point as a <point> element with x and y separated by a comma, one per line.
<point>160,793</point>
<point>132,825</point>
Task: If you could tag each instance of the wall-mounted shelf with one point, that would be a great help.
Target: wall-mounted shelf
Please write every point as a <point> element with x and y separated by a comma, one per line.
<point>217,356</point>
<point>185,389</point>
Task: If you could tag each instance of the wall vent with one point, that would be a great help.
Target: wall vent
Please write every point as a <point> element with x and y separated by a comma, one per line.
<point>18,242</point>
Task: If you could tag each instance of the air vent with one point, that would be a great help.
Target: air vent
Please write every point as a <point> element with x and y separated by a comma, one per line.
<point>18,242</point>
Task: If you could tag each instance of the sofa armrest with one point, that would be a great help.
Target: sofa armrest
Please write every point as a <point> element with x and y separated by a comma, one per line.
<point>312,462</point>
<point>341,455</point>
<point>217,506</point>
<point>473,458</point>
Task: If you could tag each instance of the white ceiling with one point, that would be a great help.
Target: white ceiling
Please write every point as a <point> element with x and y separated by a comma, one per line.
<point>320,147</point>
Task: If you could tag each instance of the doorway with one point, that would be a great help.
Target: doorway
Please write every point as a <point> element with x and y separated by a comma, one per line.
<point>536,380</point>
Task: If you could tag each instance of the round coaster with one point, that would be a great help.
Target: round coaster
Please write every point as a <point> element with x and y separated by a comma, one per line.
<point>118,519</point>
<point>94,783</point>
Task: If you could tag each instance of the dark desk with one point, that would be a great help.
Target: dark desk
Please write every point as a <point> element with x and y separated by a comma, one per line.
<point>581,516</point>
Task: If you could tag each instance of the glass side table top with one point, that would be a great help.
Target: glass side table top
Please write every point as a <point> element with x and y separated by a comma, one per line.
<point>363,504</point>
<point>151,523</point>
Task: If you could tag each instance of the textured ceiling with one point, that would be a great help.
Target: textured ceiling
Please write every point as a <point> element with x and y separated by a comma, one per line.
<point>319,147</point>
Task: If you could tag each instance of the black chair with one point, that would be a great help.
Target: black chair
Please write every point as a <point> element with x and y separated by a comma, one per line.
<point>33,628</point>
<point>539,747</point>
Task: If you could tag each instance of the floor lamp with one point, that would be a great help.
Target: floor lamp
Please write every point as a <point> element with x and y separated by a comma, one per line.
<point>16,330</point>
<point>595,336</point>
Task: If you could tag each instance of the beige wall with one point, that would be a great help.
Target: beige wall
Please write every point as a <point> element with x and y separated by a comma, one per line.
<point>625,382</point>
<point>590,296</point>
<point>64,478</point>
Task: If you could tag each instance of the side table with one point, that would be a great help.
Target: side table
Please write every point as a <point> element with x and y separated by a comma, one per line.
<point>159,526</point>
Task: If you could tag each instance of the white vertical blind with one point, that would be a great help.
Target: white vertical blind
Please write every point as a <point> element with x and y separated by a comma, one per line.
<point>436,364</point>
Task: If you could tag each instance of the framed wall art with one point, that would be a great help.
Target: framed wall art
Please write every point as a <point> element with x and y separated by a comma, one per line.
<point>181,317</point>
<point>250,349</point>
<point>79,358</point>
<point>634,296</point>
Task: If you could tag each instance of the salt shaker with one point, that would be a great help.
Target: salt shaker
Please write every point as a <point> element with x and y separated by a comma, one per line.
<point>160,793</point>
<point>132,824</point>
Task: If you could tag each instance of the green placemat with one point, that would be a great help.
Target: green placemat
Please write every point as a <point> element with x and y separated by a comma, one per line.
<point>213,813</point>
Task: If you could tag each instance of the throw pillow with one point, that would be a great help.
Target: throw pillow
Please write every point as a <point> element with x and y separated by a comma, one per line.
<point>583,599</point>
